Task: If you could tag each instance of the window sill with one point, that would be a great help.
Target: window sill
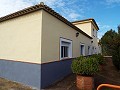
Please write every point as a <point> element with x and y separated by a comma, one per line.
<point>66,58</point>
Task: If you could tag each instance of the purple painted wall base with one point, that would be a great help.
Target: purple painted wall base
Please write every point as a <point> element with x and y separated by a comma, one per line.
<point>25,73</point>
<point>39,76</point>
<point>54,71</point>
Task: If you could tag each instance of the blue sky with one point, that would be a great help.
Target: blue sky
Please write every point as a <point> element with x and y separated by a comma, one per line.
<point>105,12</point>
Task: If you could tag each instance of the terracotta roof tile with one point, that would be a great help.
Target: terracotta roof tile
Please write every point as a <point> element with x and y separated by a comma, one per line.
<point>46,8</point>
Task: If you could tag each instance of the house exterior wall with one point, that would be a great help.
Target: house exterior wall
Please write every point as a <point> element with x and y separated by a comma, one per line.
<point>25,73</point>
<point>20,38</point>
<point>52,30</point>
<point>95,40</point>
<point>99,47</point>
<point>52,68</point>
<point>20,49</point>
<point>35,38</point>
<point>54,71</point>
<point>85,26</point>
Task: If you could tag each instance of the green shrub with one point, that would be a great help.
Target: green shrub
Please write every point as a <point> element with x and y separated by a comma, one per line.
<point>85,66</point>
<point>116,60</point>
<point>99,58</point>
<point>80,58</point>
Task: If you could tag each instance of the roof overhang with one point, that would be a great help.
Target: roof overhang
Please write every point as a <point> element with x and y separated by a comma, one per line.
<point>41,6</point>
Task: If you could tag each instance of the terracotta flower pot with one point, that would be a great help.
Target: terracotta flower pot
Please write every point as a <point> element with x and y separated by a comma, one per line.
<point>84,82</point>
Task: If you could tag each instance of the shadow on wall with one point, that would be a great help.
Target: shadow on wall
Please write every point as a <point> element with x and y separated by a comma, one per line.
<point>54,71</point>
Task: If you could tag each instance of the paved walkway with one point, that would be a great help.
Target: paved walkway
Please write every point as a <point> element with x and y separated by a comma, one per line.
<point>108,75</point>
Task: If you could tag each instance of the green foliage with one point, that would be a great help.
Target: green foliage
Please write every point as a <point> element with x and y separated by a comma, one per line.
<point>80,58</point>
<point>116,58</point>
<point>99,58</point>
<point>85,66</point>
<point>111,46</point>
<point>107,42</point>
<point>119,29</point>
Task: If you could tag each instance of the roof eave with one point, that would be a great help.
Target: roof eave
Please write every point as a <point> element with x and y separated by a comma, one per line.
<point>39,7</point>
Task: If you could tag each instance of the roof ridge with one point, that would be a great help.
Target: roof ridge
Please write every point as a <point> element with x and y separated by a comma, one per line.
<point>22,12</point>
<point>39,7</point>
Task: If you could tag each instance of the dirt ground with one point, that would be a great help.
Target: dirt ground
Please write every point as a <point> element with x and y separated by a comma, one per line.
<point>109,75</point>
<point>10,85</point>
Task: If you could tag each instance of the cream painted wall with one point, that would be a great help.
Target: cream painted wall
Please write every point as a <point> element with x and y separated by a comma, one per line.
<point>20,38</point>
<point>99,47</point>
<point>52,30</point>
<point>95,39</point>
<point>86,27</point>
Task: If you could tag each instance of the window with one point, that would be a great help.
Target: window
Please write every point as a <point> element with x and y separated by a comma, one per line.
<point>64,51</point>
<point>82,49</point>
<point>65,48</point>
<point>88,50</point>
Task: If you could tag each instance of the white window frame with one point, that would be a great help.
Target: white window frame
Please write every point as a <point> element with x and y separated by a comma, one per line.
<point>69,47</point>
<point>83,49</point>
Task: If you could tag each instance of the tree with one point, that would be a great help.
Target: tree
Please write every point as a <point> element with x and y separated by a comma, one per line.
<point>107,42</point>
<point>116,52</point>
<point>111,46</point>
<point>119,29</point>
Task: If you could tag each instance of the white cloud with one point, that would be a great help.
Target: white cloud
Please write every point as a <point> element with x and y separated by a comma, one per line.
<point>73,16</point>
<point>67,8</point>
<point>109,2</point>
<point>100,34</point>
<point>103,28</point>
<point>10,6</point>
<point>70,9</point>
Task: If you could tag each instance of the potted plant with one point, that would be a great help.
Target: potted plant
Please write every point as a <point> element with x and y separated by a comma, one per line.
<point>84,68</point>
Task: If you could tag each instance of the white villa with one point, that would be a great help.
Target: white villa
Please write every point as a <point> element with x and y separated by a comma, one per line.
<point>37,45</point>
